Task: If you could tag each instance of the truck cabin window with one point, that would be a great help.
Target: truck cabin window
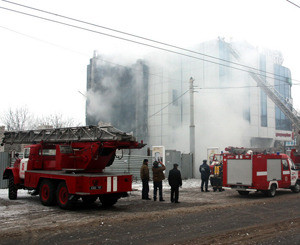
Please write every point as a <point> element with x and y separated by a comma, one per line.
<point>47,152</point>
<point>66,149</point>
<point>26,152</point>
<point>285,164</point>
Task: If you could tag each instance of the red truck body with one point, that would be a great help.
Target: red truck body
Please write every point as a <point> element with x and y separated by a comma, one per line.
<point>62,172</point>
<point>260,172</point>
<point>295,156</point>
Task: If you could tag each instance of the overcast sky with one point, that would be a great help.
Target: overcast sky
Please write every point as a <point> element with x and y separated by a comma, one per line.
<point>43,64</point>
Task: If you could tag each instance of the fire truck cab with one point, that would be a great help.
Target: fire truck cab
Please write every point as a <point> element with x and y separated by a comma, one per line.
<point>260,172</point>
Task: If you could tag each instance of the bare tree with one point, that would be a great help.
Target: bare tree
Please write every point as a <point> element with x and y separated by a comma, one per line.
<point>21,119</point>
<point>18,119</point>
<point>55,121</point>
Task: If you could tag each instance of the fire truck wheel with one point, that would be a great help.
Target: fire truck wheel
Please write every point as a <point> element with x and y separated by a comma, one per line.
<point>108,200</point>
<point>47,192</point>
<point>272,191</point>
<point>87,200</point>
<point>12,188</point>
<point>243,193</point>
<point>296,188</point>
<point>63,196</point>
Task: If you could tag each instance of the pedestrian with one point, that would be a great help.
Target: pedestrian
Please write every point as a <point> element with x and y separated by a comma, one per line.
<point>175,182</point>
<point>145,180</point>
<point>205,173</point>
<point>158,176</point>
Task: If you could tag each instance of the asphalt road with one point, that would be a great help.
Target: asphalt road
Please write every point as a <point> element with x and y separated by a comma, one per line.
<point>201,218</point>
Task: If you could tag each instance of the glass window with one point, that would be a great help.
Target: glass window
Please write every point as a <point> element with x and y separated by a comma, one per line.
<point>285,165</point>
<point>175,97</point>
<point>283,86</point>
<point>47,152</point>
<point>65,149</point>
<point>26,152</point>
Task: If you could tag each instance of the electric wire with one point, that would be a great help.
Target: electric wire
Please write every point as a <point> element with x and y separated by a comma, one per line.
<point>293,3</point>
<point>140,37</point>
<point>123,66</point>
<point>152,46</point>
<point>87,55</point>
<point>144,44</point>
<point>169,104</point>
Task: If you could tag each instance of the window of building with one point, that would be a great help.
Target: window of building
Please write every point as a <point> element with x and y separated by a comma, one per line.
<point>283,86</point>
<point>263,96</point>
<point>175,97</point>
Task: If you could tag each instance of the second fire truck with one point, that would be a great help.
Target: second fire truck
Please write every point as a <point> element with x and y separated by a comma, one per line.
<point>251,170</point>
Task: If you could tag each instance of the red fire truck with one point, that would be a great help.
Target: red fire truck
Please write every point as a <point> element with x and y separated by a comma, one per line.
<point>250,170</point>
<point>65,164</point>
<point>295,156</point>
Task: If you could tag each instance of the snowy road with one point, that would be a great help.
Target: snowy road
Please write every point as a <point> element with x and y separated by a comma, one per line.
<point>200,218</point>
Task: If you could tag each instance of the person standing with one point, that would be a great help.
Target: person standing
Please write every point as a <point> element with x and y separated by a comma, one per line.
<point>158,176</point>
<point>144,172</point>
<point>205,173</point>
<point>175,182</point>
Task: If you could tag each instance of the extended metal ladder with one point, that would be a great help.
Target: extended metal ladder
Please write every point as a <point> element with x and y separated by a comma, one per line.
<point>286,107</point>
<point>65,135</point>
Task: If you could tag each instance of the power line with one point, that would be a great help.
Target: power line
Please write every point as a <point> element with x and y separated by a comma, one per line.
<point>116,64</point>
<point>136,36</point>
<point>169,104</point>
<point>136,42</point>
<point>293,3</point>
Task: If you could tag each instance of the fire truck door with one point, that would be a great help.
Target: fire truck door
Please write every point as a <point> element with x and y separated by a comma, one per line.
<point>286,173</point>
<point>294,173</point>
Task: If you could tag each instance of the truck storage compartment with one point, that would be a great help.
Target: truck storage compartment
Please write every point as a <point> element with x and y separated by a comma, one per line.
<point>274,169</point>
<point>239,172</point>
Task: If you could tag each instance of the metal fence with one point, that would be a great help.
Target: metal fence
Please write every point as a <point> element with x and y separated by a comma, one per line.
<point>4,162</point>
<point>129,164</point>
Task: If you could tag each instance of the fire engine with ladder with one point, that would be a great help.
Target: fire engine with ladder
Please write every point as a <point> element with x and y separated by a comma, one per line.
<point>64,164</point>
<point>252,169</point>
<point>284,105</point>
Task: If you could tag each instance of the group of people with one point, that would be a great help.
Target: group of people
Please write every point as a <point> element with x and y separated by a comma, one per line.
<point>174,179</point>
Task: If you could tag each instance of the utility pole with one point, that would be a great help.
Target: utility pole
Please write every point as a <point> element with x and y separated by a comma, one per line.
<point>192,125</point>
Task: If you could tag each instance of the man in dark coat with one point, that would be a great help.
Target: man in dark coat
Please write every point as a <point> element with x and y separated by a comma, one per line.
<point>145,180</point>
<point>158,176</point>
<point>175,182</point>
<point>205,173</point>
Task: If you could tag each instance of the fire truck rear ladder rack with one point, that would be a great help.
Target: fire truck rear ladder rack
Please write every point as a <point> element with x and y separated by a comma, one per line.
<point>285,106</point>
<point>66,135</point>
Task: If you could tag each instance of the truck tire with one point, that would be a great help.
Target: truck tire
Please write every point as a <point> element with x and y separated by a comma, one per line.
<point>88,200</point>
<point>47,192</point>
<point>296,187</point>
<point>243,193</point>
<point>272,191</point>
<point>108,200</point>
<point>12,188</point>
<point>63,196</point>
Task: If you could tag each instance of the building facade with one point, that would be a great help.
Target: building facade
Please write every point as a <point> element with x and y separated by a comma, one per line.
<point>117,95</point>
<point>229,107</point>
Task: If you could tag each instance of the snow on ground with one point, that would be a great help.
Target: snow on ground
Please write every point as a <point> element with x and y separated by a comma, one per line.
<point>26,204</point>
<point>186,184</point>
